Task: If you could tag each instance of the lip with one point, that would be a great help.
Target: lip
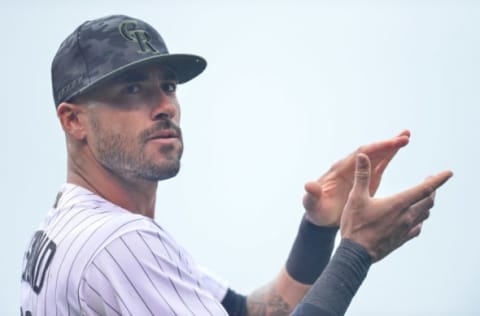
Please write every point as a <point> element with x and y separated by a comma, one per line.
<point>165,137</point>
<point>165,134</point>
<point>164,141</point>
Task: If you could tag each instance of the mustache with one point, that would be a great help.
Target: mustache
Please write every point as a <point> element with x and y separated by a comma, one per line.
<point>159,126</point>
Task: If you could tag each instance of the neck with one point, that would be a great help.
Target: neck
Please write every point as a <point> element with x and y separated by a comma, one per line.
<point>136,196</point>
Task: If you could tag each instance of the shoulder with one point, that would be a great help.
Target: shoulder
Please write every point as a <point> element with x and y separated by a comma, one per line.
<point>81,225</point>
<point>145,270</point>
<point>83,218</point>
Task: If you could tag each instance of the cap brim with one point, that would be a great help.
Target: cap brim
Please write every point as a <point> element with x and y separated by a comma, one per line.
<point>185,67</point>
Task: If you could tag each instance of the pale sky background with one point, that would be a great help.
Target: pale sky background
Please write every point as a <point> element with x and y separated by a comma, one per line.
<point>291,87</point>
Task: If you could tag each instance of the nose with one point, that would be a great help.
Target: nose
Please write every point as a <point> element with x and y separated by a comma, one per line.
<point>165,107</point>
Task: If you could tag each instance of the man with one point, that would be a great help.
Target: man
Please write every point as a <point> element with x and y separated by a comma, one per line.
<point>99,251</point>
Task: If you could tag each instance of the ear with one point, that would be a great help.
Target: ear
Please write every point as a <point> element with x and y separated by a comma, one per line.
<point>69,116</point>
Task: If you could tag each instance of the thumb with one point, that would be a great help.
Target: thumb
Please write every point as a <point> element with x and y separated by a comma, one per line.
<point>361,182</point>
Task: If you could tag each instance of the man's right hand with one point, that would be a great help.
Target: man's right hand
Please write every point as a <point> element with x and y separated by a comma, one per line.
<point>381,225</point>
<point>325,198</point>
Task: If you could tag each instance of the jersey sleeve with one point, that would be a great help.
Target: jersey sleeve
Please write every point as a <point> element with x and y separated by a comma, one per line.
<point>145,273</point>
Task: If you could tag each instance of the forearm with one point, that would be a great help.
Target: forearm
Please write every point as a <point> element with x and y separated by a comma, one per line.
<point>276,298</point>
<point>310,254</point>
<point>333,291</point>
<point>330,295</point>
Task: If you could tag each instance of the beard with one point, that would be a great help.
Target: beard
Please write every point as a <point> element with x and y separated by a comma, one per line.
<point>126,156</point>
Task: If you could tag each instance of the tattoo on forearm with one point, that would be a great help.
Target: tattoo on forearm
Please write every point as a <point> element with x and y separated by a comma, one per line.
<point>267,304</point>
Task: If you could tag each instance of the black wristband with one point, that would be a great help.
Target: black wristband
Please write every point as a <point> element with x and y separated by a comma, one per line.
<point>310,252</point>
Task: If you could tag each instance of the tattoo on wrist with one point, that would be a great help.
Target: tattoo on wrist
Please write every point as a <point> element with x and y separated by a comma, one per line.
<point>267,304</point>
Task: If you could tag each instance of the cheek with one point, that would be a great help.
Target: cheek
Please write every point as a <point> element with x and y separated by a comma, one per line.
<point>108,128</point>
<point>179,115</point>
<point>178,112</point>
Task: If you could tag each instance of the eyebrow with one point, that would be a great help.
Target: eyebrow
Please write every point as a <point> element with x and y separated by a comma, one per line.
<point>131,76</point>
<point>168,74</point>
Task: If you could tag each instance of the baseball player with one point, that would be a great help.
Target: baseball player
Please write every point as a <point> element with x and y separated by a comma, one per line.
<point>99,250</point>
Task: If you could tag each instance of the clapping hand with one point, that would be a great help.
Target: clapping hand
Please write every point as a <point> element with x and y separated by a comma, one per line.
<point>325,198</point>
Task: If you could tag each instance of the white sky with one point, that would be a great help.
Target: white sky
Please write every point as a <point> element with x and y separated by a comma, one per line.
<point>291,87</point>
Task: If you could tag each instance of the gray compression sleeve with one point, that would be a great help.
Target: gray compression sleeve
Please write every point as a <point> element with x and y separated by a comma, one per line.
<point>333,291</point>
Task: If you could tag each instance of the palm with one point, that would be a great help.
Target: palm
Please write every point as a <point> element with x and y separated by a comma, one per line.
<point>326,197</point>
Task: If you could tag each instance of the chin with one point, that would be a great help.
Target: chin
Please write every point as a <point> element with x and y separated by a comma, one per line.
<point>160,172</point>
<point>170,173</point>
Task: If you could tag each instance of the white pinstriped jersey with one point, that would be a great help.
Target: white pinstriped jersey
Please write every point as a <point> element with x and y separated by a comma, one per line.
<point>91,257</point>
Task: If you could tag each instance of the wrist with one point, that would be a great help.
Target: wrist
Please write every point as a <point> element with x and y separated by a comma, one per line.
<point>323,221</point>
<point>311,251</point>
<point>362,240</point>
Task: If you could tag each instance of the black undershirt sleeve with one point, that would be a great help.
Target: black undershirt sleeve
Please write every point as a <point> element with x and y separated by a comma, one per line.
<point>235,304</point>
<point>333,291</point>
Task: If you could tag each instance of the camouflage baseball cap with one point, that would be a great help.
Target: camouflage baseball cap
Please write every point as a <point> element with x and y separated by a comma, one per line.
<point>101,48</point>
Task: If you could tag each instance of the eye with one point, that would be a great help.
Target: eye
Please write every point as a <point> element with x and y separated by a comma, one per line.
<point>132,89</point>
<point>169,87</point>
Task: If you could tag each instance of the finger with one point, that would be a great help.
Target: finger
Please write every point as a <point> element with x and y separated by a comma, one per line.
<point>384,157</point>
<point>385,146</point>
<point>420,211</point>
<point>377,152</point>
<point>424,189</point>
<point>362,175</point>
<point>402,142</point>
<point>414,232</point>
<point>402,139</point>
<point>314,188</point>
<point>384,163</point>
<point>405,132</point>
